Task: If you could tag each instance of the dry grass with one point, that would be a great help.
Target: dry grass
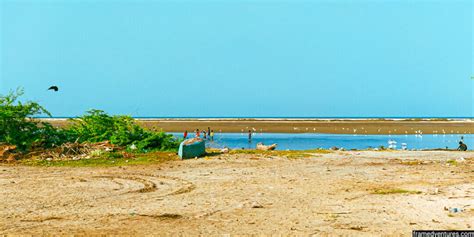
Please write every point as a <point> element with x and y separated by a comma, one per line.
<point>452,162</point>
<point>412,162</point>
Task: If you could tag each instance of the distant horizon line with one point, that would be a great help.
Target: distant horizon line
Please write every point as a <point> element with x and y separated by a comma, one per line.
<point>273,117</point>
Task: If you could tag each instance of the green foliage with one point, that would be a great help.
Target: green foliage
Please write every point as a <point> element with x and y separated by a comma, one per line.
<point>452,162</point>
<point>158,141</point>
<point>51,136</point>
<point>17,125</point>
<point>97,126</point>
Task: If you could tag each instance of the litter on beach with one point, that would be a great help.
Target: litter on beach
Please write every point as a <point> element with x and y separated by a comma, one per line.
<point>261,146</point>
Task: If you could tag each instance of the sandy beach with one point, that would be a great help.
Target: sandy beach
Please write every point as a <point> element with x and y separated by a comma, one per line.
<point>356,193</point>
<point>236,118</point>
<point>336,126</point>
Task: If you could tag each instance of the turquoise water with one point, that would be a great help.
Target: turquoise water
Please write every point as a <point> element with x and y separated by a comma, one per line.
<point>304,141</point>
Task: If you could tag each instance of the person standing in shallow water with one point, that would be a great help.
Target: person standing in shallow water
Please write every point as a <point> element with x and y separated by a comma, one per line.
<point>197,133</point>
<point>250,135</point>
<point>204,134</point>
<point>211,135</point>
<point>209,132</point>
<point>462,147</point>
<point>185,135</point>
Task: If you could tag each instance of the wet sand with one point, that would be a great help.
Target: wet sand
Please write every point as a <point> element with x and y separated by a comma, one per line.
<point>364,193</point>
<point>304,126</point>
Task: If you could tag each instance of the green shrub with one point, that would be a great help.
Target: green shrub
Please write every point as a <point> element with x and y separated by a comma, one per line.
<point>158,141</point>
<point>97,126</point>
<point>18,126</point>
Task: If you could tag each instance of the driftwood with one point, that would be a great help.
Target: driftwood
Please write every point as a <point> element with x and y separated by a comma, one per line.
<point>262,147</point>
<point>66,151</point>
<point>7,153</point>
<point>76,150</point>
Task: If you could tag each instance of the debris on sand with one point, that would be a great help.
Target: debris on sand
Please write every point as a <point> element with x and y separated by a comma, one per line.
<point>357,227</point>
<point>455,209</point>
<point>7,153</point>
<point>434,191</point>
<point>42,219</point>
<point>256,205</point>
<point>225,150</point>
<point>262,147</point>
<point>77,151</point>
<point>163,216</point>
<point>252,204</point>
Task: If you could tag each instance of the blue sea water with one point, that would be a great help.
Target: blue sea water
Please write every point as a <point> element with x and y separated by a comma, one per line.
<point>305,141</point>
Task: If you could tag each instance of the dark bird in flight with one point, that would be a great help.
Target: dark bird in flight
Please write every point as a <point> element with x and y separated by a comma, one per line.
<point>54,88</point>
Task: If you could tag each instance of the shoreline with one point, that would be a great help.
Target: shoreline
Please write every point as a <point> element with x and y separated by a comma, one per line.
<point>328,126</point>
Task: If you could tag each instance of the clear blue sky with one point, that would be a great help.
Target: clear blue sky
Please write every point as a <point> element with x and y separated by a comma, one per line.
<point>241,58</point>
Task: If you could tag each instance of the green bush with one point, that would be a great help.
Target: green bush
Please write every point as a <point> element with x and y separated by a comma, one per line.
<point>158,141</point>
<point>18,127</point>
<point>97,126</point>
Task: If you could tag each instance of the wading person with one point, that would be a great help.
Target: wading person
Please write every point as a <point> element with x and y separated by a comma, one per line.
<point>185,135</point>
<point>211,135</point>
<point>197,133</point>
<point>462,147</point>
<point>250,135</point>
<point>204,134</point>
<point>209,131</point>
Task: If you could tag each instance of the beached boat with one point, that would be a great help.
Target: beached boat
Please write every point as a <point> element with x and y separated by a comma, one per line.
<point>190,148</point>
<point>262,147</point>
